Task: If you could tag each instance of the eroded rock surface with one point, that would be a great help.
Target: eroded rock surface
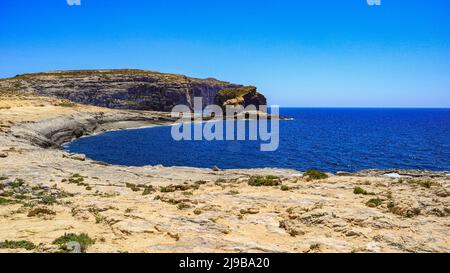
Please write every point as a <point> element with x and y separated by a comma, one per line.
<point>46,193</point>
<point>119,89</point>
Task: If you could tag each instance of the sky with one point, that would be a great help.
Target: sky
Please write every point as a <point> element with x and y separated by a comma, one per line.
<point>299,53</point>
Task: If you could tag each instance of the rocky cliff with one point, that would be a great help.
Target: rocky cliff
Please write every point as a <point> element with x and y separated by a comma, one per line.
<point>119,89</point>
<point>245,95</point>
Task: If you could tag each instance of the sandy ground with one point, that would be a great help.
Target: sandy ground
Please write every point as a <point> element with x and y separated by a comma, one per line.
<point>47,193</point>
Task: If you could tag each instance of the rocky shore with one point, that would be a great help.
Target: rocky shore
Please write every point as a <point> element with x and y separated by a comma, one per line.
<point>49,197</point>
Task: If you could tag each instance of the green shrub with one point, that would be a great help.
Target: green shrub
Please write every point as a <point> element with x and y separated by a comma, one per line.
<point>4,201</point>
<point>48,200</point>
<point>374,202</point>
<point>83,239</point>
<point>359,190</point>
<point>315,174</point>
<point>17,244</point>
<point>148,190</point>
<point>182,206</point>
<point>17,183</point>
<point>258,181</point>
<point>40,211</point>
<point>133,187</point>
<point>174,188</point>
<point>284,188</point>
<point>67,104</point>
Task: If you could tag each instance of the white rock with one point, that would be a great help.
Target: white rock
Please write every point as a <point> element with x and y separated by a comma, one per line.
<point>393,175</point>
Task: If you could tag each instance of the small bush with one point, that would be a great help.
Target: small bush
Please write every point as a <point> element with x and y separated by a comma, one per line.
<point>359,190</point>
<point>40,211</point>
<point>315,174</point>
<point>83,239</point>
<point>4,201</point>
<point>284,188</point>
<point>174,188</point>
<point>66,104</point>
<point>197,211</point>
<point>48,200</point>
<point>182,206</point>
<point>423,183</point>
<point>133,187</point>
<point>258,181</point>
<point>17,244</point>
<point>215,169</point>
<point>148,190</point>
<point>17,183</point>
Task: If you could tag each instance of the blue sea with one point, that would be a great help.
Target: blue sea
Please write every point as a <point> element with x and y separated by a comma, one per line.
<point>326,139</point>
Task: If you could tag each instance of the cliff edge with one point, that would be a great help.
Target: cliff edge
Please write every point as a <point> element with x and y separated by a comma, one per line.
<point>118,89</point>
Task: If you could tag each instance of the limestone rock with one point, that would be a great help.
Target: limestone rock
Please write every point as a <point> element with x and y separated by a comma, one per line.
<point>240,96</point>
<point>119,89</point>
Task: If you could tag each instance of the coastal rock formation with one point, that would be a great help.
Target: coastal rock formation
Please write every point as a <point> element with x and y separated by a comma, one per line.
<point>246,95</point>
<point>118,89</point>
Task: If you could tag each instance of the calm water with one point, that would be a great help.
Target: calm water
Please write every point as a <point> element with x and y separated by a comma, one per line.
<point>326,139</point>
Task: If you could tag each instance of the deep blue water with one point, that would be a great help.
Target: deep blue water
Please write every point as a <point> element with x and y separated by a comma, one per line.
<point>327,139</point>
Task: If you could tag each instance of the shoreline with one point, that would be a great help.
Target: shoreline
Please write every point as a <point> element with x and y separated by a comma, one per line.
<point>373,171</point>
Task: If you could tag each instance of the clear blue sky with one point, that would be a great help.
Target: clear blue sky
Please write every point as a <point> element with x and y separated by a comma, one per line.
<point>299,53</point>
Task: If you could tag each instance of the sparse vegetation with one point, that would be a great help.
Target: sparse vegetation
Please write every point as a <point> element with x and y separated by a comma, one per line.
<point>66,104</point>
<point>48,200</point>
<point>258,181</point>
<point>374,202</point>
<point>182,206</point>
<point>284,188</point>
<point>17,183</point>
<point>83,239</point>
<point>174,188</point>
<point>17,244</point>
<point>314,247</point>
<point>4,201</point>
<point>40,211</point>
<point>148,190</point>
<point>423,183</point>
<point>197,211</point>
<point>249,211</point>
<point>77,179</point>
<point>359,190</point>
<point>133,187</point>
<point>313,174</point>
<point>215,169</point>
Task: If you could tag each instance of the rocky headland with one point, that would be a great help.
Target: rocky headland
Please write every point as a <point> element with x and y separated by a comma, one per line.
<point>49,197</point>
<point>121,88</point>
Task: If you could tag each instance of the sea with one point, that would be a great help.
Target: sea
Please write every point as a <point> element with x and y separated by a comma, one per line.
<point>327,139</point>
